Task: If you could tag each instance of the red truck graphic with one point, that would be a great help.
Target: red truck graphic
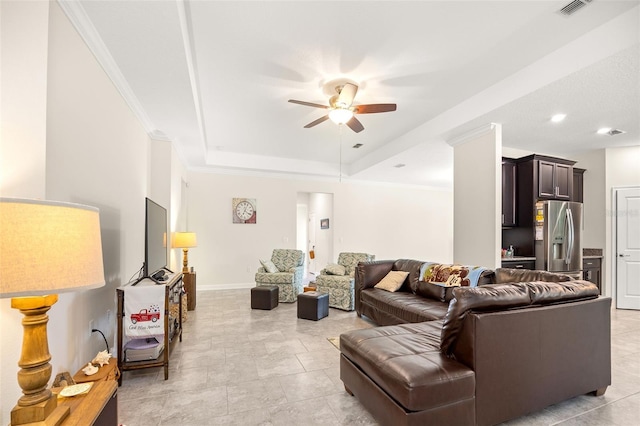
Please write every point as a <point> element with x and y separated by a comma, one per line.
<point>145,315</point>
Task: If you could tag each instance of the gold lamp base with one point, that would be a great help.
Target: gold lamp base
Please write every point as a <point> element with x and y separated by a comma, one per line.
<point>46,413</point>
<point>37,406</point>
<point>185,260</point>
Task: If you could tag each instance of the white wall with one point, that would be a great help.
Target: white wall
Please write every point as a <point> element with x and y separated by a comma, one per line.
<point>321,207</point>
<point>95,152</point>
<point>389,221</point>
<point>178,206</point>
<point>23,37</point>
<point>622,169</point>
<point>606,169</point>
<point>594,211</point>
<point>94,149</point>
<point>477,187</point>
<point>24,30</point>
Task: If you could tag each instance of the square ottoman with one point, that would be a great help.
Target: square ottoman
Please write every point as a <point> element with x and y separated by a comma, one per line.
<point>264,297</point>
<point>313,305</point>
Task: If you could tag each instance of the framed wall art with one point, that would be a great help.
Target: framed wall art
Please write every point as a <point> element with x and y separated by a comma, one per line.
<point>244,210</point>
<point>324,223</point>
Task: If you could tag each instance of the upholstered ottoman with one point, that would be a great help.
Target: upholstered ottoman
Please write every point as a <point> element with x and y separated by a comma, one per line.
<point>264,297</point>
<point>313,305</point>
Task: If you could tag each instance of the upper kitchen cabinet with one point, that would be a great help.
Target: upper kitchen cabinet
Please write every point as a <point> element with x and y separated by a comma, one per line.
<point>551,178</point>
<point>509,199</point>
<point>578,184</point>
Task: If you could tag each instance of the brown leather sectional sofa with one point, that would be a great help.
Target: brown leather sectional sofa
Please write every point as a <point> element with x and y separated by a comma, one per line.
<point>474,356</point>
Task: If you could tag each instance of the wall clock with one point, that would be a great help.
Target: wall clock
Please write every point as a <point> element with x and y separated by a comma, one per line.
<point>244,210</point>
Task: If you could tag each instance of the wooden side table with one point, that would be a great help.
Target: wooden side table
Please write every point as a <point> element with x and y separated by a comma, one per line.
<point>189,280</point>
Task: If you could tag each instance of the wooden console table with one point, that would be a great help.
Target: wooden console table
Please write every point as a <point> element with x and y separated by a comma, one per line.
<point>98,407</point>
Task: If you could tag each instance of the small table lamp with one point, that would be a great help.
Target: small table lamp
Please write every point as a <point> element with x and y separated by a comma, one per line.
<point>184,240</point>
<point>46,247</point>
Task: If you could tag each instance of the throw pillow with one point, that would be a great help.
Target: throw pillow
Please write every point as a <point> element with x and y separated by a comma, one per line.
<point>335,269</point>
<point>392,281</point>
<point>269,266</point>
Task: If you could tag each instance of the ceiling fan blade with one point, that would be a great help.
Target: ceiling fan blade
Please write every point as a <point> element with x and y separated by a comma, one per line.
<point>373,108</point>
<point>355,125</point>
<point>318,121</point>
<point>347,94</point>
<point>311,104</point>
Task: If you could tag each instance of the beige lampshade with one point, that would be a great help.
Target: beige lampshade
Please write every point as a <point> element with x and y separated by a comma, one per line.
<point>48,247</point>
<point>184,240</point>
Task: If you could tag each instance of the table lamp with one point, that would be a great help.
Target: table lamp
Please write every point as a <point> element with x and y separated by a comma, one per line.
<point>184,240</point>
<point>46,247</point>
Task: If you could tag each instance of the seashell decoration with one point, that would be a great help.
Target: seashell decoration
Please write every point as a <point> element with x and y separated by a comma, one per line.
<point>90,369</point>
<point>102,358</point>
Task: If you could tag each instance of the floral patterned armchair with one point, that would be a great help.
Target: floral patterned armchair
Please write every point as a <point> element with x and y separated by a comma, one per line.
<point>287,272</point>
<point>338,279</point>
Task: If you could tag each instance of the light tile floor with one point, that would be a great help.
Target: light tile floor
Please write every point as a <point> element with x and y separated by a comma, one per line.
<point>240,366</point>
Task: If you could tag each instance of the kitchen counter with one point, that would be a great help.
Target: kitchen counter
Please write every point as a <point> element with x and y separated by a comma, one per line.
<point>518,258</point>
<point>591,253</point>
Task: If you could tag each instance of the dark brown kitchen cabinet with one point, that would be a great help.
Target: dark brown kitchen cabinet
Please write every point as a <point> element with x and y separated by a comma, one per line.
<point>555,180</point>
<point>578,185</point>
<point>592,271</point>
<point>509,199</point>
<point>519,264</point>
<point>538,177</point>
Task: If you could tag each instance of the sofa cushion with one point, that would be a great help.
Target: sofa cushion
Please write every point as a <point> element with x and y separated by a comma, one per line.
<point>334,269</point>
<point>435,291</point>
<point>505,296</point>
<point>275,278</point>
<point>392,281</point>
<point>404,305</point>
<point>413,268</point>
<point>350,260</point>
<point>508,275</point>
<point>545,293</point>
<point>405,360</point>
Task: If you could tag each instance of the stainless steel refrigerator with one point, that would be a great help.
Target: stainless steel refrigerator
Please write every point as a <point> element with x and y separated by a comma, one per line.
<point>558,236</point>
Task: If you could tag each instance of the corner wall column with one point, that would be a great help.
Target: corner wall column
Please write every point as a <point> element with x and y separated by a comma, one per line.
<point>477,188</point>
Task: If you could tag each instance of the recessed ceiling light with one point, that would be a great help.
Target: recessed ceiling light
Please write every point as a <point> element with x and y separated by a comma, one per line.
<point>399,165</point>
<point>604,130</point>
<point>358,145</point>
<point>558,118</point>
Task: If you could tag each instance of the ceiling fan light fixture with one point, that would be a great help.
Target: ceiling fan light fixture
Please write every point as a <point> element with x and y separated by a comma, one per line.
<point>340,115</point>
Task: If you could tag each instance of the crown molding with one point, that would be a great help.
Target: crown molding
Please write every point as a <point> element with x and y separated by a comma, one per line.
<point>473,134</point>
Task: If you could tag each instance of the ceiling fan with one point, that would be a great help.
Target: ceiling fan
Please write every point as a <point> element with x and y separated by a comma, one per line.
<point>342,110</point>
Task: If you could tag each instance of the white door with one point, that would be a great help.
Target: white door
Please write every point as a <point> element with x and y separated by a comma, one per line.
<point>628,248</point>
<point>302,229</point>
<point>312,241</point>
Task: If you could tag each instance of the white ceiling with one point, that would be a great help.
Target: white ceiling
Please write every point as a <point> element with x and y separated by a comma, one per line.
<point>214,77</point>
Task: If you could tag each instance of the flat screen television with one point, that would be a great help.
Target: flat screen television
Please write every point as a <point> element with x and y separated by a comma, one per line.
<point>155,239</point>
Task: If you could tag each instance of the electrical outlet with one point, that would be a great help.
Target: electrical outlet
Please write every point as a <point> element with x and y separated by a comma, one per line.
<point>90,328</point>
